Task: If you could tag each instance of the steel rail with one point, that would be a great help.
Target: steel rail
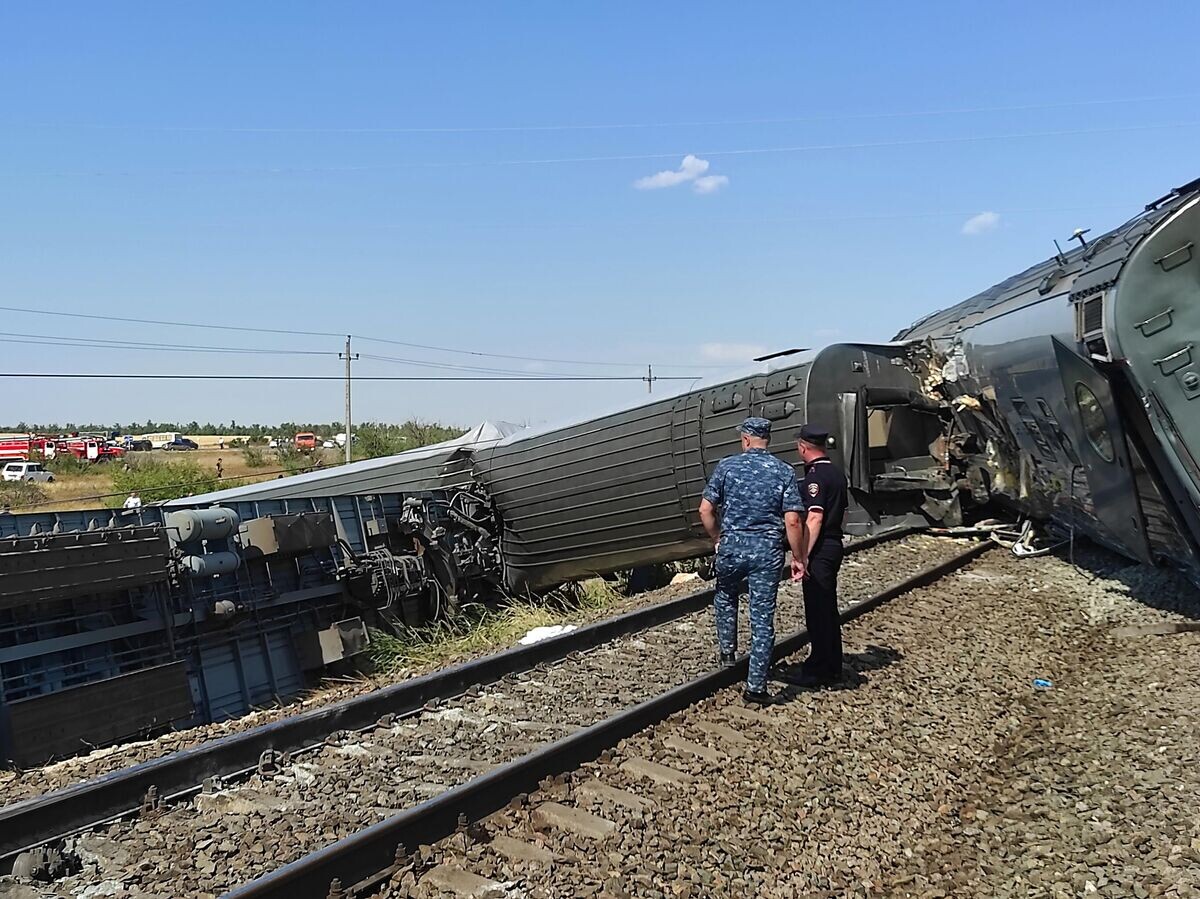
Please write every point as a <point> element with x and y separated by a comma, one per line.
<point>43,819</point>
<point>366,858</point>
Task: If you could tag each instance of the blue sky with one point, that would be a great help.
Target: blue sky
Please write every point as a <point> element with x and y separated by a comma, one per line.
<point>428,173</point>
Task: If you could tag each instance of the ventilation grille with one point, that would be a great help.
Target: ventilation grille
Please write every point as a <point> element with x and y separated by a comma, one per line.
<point>1092,317</point>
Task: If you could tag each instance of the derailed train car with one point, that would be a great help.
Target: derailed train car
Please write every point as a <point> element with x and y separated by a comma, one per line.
<point>1066,392</point>
<point>118,623</point>
<point>1074,387</point>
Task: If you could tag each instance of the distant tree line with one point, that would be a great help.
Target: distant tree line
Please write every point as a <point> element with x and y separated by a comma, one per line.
<point>372,438</point>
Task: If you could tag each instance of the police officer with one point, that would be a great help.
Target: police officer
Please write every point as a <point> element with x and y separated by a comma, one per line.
<point>759,502</point>
<point>824,491</point>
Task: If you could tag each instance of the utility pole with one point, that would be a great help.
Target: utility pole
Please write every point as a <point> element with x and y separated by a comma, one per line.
<point>649,379</point>
<point>348,357</point>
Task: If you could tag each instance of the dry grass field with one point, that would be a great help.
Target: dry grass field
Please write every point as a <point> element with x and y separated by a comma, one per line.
<point>93,487</point>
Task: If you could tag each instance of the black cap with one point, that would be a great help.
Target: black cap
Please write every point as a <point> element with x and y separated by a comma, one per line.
<point>812,434</point>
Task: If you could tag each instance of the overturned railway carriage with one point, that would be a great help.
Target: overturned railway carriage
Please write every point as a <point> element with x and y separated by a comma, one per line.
<point>1069,392</point>
<point>1075,385</point>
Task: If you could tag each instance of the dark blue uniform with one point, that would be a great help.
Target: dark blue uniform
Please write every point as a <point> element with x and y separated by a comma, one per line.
<point>824,488</point>
<point>753,491</point>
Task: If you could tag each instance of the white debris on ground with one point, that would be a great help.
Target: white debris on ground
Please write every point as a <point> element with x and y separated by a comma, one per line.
<point>538,634</point>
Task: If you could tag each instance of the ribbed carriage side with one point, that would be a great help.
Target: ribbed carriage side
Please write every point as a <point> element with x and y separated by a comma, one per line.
<point>593,497</point>
<point>623,490</point>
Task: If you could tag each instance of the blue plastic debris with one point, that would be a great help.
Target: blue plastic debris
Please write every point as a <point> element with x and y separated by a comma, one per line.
<point>1042,683</point>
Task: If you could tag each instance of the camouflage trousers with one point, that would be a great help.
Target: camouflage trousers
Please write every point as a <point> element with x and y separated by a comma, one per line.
<point>759,568</point>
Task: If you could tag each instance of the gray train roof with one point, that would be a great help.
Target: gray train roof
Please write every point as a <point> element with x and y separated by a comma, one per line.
<point>1094,266</point>
<point>407,470</point>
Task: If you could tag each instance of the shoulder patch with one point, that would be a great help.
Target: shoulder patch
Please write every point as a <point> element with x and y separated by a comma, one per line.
<point>813,489</point>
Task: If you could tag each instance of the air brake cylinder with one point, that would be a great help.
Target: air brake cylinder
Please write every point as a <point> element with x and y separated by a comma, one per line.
<point>210,565</point>
<point>190,525</point>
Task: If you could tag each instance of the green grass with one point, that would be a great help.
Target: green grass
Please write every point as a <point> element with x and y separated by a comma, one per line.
<point>480,629</point>
<point>156,480</point>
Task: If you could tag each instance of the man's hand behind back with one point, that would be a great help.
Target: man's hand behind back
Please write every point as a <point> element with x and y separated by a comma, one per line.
<point>798,571</point>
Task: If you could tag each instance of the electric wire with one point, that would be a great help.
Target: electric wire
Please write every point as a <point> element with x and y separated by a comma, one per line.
<point>112,343</point>
<point>614,126</point>
<point>430,347</point>
<point>622,157</point>
<point>205,482</point>
<point>143,376</point>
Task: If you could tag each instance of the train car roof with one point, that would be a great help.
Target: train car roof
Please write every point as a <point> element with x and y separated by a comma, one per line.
<point>1094,265</point>
<point>388,473</point>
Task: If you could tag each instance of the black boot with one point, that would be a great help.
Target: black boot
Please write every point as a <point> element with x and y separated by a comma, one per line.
<point>728,659</point>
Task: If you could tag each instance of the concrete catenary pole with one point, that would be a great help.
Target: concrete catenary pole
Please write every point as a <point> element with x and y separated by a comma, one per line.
<point>349,428</point>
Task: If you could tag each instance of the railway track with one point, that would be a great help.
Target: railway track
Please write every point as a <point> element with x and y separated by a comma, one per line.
<point>377,858</point>
<point>421,760</point>
<point>53,812</point>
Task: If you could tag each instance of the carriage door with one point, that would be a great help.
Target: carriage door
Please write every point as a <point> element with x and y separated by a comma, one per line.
<point>1100,443</point>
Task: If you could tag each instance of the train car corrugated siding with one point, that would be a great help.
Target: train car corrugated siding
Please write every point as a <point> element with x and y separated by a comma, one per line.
<point>589,497</point>
<point>623,490</point>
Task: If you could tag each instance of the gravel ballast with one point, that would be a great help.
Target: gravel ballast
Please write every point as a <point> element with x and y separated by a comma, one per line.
<point>940,770</point>
<point>230,835</point>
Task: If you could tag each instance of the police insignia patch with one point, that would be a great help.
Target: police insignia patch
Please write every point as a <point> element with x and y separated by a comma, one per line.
<point>812,489</point>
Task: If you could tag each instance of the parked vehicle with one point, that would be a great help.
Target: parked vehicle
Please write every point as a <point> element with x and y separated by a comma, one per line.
<point>27,471</point>
<point>181,444</point>
<point>272,443</point>
<point>306,440</point>
<point>139,446</point>
<point>90,448</point>
<point>161,439</point>
<point>21,448</point>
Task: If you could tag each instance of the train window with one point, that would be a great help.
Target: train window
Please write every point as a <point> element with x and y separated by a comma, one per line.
<point>1095,425</point>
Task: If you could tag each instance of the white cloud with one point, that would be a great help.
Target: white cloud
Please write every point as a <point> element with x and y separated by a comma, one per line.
<point>731,352</point>
<point>709,184</point>
<point>691,169</point>
<point>981,224</point>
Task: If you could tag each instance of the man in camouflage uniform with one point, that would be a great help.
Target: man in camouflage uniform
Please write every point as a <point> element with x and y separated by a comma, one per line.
<point>759,502</point>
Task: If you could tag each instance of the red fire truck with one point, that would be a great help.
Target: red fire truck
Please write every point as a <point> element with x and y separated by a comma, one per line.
<point>95,449</point>
<point>30,448</point>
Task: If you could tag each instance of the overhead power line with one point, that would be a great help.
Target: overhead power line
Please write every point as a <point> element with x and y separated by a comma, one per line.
<point>341,336</point>
<point>449,366</point>
<point>203,483</point>
<point>106,343</point>
<point>171,324</point>
<point>617,126</point>
<point>143,376</point>
<point>553,361</point>
<point>624,157</point>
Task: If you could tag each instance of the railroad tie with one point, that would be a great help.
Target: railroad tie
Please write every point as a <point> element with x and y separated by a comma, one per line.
<point>722,732</point>
<point>748,715</point>
<point>596,791</point>
<point>661,774</point>
<point>553,816</point>
<point>462,883</point>
<point>705,753</point>
<point>520,851</point>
